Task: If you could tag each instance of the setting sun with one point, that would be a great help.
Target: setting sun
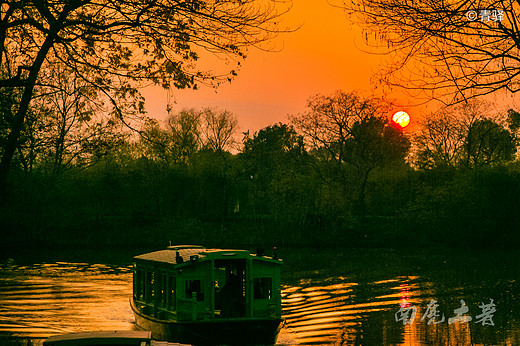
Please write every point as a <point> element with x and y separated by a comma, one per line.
<point>401,118</point>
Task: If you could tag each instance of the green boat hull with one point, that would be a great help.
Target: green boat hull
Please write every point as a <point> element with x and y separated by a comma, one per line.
<point>230,331</point>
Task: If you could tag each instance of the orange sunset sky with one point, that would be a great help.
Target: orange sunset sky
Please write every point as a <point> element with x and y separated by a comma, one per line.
<point>322,56</point>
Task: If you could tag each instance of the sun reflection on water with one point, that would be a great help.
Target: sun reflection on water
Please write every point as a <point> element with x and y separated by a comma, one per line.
<point>40,300</point>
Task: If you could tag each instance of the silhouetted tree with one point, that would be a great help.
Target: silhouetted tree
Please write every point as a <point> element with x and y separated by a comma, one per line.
<point>375,143</point>
<point>458,48</point>
<point>271,150</point>
<point>218,129</point>
<point>73,117</point>
<point>351,137</point>
<point>155,143</point>
<point>184,130</point>
<point>187,132</point>
<point>513,120</point>
<point>111,43</point>
<point>176,141</point>
<point>488,143</point>
<point>274,168</point>
<point>440,140</point>
<point>462,135</point>
<point>329,120</point>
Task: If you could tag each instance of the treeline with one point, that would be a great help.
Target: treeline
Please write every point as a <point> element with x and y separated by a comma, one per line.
<point>339,174</point>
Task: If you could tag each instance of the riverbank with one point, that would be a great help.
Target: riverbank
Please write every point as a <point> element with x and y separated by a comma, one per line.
<point>109,208</point>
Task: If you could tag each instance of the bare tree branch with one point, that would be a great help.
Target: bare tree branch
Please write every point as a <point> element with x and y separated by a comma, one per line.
<point>437,48</point>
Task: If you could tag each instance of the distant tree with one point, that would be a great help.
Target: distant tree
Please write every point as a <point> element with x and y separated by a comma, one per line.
<point>352,137</point>
<point>218,129</point>
<point>488,143</point>
<point>513,120</point>
<point>155,141</point>
<point>184,130</point>
<point>272,149</point>
<point>375,144</point>
<point>111,44</point>
<point>458,48</point>
<point>174,142</point>
<point>187,132</point>
<point>101,137</point>
<point>272,159</point>
<point>463,135</point>
<point>329,120</point>
<point>440,141</point>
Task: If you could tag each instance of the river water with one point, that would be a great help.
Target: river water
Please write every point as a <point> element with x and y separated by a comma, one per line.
<point>335,297</point>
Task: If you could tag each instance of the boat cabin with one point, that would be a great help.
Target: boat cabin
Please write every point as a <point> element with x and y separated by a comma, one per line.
<point>191,283</point>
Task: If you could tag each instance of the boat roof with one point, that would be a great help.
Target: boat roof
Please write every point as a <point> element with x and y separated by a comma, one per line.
<point>169,255</point>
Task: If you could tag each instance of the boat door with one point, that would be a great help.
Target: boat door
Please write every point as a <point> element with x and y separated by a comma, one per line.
<point>194,291</point>
<point>230,288</point>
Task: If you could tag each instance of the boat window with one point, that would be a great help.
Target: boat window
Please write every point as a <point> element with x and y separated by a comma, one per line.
<point>194,286</point>
<point>263,288</point>
<point>161,289</point>
<point>138,284</point>
<point>148,286</point>
<point>171,293</point>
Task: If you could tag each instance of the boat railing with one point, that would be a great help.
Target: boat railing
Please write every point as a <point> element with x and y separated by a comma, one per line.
<point>186,309</point>
<point>191,310</point>
<point>269,310</point>
<point>156,311</point>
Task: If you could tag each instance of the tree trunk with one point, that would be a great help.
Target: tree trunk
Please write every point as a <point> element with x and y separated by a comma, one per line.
<point>19,119</point>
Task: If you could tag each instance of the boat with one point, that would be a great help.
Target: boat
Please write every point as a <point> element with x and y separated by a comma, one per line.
<point>190,294</point>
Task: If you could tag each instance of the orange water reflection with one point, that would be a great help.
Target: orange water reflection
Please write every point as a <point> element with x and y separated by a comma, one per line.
<point>351,313</point>
<point>41,300</point>
<point>45,299</point>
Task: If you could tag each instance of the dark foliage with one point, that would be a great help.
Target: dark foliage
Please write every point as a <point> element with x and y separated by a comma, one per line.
<point>269,194</point>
